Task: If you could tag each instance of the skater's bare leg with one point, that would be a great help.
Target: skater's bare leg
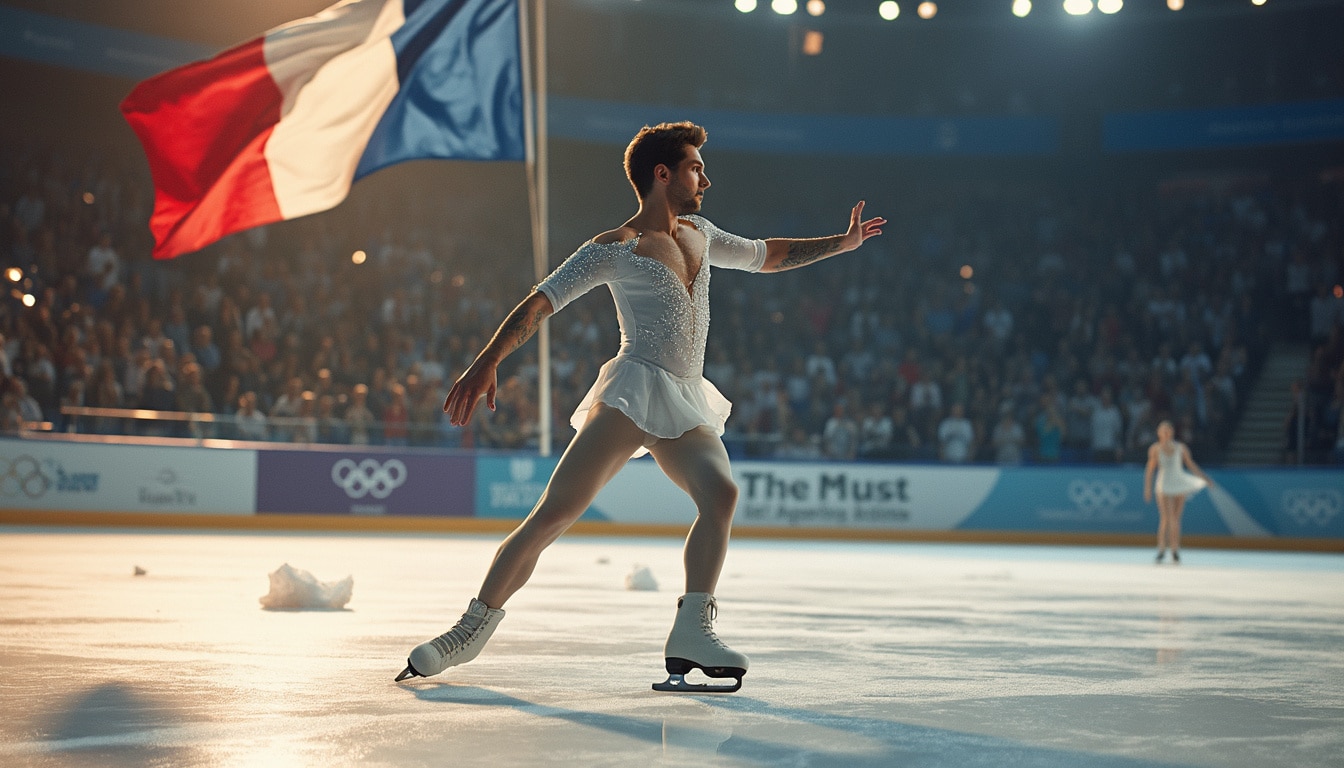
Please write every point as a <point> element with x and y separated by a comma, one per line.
<point>698,463</point>
<point>594,456</point>
<point>1164,521</point>
<point>1175,507</point>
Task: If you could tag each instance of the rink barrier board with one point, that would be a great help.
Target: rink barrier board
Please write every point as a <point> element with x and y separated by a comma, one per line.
<point>472,526</point>
<point>51,481</point>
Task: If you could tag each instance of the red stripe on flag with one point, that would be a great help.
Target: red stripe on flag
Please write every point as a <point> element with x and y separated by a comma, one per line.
<point>204,128</point>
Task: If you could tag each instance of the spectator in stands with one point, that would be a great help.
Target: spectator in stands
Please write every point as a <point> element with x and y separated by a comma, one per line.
<point>876,433</point>
<point>1050,429</point>
<point>396,418</point>
<point>157,395</point>
<point>203,347</point>
<point>11,421</point>
<point>249,423</point>
<point>103,268</point>
<point>840,437</point>
<point>358,417</point>
<point>305,421</point>
<point>192,398</point>
<point>1107,431</point>
<point>956,436</point>
<point>331,428</point>
<point>1008,439</point>
<point>28,409</point>
<point>105,392</point>
<point>906,443</point>
<point>286,409</point>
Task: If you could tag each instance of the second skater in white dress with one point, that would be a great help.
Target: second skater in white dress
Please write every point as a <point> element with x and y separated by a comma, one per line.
<point>1169,459</point>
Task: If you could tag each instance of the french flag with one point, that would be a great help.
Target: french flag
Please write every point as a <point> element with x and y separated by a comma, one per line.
<point>281,126</point>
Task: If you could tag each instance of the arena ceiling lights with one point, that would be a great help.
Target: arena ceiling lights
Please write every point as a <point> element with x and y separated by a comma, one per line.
<point>891,10</point>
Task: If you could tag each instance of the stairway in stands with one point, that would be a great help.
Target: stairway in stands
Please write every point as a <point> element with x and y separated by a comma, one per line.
<point>1258,438</point>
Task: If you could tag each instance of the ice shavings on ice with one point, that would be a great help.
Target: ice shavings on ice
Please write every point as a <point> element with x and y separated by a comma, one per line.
<point>296,589</point>
<point>641,579</point>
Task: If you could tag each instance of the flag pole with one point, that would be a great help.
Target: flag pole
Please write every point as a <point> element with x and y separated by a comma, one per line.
<point>538,177</point>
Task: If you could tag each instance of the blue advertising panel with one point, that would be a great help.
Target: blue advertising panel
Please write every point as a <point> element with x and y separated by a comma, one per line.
<point>509,486</point>
<point>364,483</point>
<point>614,123</point>
<point>1309,121</point>
<point>90,47</point>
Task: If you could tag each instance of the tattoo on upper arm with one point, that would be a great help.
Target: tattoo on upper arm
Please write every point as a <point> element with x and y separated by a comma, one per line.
<point>807,251</point>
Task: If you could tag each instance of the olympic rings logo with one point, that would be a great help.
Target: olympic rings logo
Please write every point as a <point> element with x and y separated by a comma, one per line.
<point>1097,495</point>
<point>368,477</point>
<point>23,475</point>
<point>1312,505</point>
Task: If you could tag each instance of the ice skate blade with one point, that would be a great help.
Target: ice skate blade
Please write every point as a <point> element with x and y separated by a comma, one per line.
<point>409,671</point>
<point>677,684</point>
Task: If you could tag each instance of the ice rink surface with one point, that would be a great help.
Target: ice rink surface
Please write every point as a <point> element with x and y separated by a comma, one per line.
<point>862,655</point>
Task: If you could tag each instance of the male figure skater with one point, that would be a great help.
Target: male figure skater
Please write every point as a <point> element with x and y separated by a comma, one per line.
<point>651,397</point>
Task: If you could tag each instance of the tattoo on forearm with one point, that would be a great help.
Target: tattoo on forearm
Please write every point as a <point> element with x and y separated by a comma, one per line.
<point>807,251</point>
<point>520,324</point>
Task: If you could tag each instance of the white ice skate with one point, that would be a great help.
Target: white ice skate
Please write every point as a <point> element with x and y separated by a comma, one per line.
<point>458,645</point>
<point>693,645</point>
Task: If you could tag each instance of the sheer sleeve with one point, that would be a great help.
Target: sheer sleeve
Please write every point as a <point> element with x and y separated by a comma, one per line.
<point>729,250</point>
<point>592,265</point>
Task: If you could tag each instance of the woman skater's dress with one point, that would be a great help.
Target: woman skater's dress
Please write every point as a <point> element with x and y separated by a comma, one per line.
<point>657,377</point>
<point>1172,479</point>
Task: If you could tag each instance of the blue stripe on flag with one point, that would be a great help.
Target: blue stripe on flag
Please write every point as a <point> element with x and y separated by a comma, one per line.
<point>461,94</point>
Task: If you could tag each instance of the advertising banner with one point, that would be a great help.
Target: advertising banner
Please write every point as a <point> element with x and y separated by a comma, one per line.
<point>858,496</point>
<point>508,486</point>
<point>364,483</point>
<point>93,477</point>
<point>1299,503</point>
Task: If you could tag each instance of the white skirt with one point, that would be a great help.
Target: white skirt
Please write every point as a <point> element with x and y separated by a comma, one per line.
<point>663,405</point>
<point>1179,483</point>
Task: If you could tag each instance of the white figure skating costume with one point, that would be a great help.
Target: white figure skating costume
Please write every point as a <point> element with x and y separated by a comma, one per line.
<point>657,377</point>
<point>1172,479</point>
<point>657,380</point>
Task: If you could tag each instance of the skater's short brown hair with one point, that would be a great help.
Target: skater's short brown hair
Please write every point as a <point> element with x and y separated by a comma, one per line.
<point>663,144</point>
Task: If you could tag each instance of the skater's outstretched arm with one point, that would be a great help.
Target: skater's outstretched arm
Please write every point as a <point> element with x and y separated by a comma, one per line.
<point>479,379</point>
<point>790,253</point>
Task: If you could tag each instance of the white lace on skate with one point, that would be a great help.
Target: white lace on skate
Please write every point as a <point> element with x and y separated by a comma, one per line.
<point>463,632</point>
<point>707,618</point>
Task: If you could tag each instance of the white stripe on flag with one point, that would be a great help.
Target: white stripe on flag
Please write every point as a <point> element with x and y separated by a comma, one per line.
<point>338,73</point>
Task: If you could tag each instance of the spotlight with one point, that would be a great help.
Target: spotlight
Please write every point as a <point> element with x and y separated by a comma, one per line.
<point>1021,8</point>
<point>1077,7</point>
<point>359,257</point>
<point>14,274</point>
<point>927,9</point>
<point>812,42</point>
<point>889,10</point>
<point>745,6</point>
<point>816,7</point>
<point>87,197</point>
<point>1109,6</point>
<point>784,7</point>
<point>1175,5</point>
<point>967,272</point>
<point>29,300</point>
<point>1257,2</point>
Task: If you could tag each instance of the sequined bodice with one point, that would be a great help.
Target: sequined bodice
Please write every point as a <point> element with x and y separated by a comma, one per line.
<point>661,321</point>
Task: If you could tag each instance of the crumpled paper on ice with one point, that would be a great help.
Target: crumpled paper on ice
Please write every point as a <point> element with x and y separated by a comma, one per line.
<point>640,579</point>
<point>296,589</point>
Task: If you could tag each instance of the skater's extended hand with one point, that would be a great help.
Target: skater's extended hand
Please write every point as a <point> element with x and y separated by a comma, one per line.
<point>478,380</point>
<point>860,230</point>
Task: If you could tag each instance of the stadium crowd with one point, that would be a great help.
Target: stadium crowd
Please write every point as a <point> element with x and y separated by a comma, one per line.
<point>993,322</point>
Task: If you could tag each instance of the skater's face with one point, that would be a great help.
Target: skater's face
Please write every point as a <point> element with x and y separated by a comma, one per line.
<point>687,182</point>
<point>1165,431</point>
